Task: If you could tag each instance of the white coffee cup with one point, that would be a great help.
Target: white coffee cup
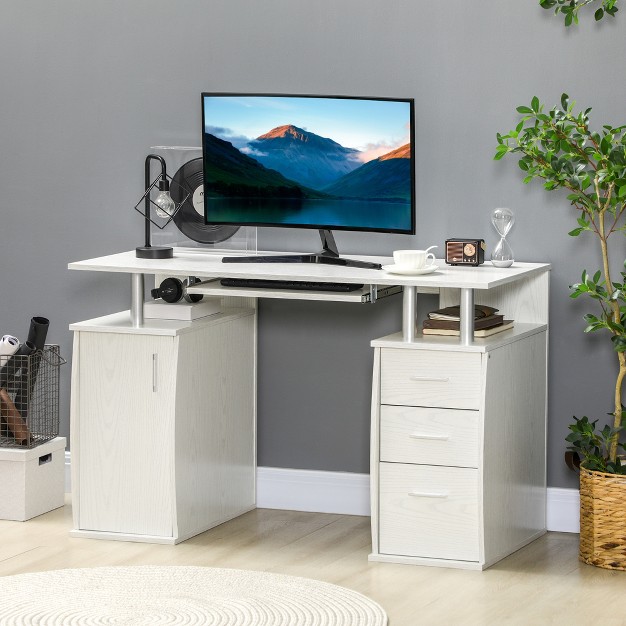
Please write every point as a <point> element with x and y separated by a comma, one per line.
<point>414,259</point>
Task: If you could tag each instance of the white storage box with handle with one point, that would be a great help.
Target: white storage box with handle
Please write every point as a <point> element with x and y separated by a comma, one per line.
<point>32,481</point>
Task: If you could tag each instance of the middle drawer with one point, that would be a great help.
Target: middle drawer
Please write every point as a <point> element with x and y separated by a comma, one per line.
<point>429,436</point>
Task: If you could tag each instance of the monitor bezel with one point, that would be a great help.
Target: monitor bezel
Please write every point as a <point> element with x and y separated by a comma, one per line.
<point>409,101</point>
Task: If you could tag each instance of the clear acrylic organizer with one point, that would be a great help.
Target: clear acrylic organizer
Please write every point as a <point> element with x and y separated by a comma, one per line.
<point>243,240</point>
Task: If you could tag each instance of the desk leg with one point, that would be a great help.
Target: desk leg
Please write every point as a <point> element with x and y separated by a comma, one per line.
<point>136,300</point>
<point>408,313</point>
<point>467,316</point>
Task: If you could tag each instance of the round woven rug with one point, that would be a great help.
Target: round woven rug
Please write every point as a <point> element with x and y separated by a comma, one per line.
<point>183,596</point>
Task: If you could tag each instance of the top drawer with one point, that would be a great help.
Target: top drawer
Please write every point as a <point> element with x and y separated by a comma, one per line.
<point>431,378</point>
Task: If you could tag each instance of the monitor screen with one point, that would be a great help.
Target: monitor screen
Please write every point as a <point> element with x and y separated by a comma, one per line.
<point>309,161</point>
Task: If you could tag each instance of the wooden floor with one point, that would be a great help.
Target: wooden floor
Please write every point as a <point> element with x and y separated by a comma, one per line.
<point>541,584</point>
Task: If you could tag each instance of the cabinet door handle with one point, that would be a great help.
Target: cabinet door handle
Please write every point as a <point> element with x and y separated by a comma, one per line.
<point>154,372</point>
<point>426,436</point>
<point>430,379</point>
<point>426,494</point>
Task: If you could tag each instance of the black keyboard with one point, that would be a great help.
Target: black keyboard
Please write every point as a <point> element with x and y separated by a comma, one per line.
<point>303,285</point>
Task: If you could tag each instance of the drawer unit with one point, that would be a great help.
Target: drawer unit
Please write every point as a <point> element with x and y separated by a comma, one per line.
<point>457,446</point>
<point>429,436</point>
<point>428,511</point>
<point>431,378</point>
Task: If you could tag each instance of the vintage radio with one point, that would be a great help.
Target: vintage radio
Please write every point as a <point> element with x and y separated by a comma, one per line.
<point>465,251</point>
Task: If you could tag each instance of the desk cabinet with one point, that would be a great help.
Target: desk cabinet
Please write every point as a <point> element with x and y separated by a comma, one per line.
<point>458,448</point>
<point>163,425</point>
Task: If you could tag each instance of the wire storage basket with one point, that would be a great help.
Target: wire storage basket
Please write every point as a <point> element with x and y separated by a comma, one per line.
<point>29,398</point>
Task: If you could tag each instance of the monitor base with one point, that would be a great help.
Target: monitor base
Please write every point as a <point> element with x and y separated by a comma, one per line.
<point>328,256</point>
<point>303,258</point>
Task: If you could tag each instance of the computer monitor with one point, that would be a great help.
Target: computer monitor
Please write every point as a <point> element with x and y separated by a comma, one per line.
<point>317,162</point>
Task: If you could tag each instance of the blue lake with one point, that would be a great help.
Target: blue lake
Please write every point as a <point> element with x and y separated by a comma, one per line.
<point>334,212</point>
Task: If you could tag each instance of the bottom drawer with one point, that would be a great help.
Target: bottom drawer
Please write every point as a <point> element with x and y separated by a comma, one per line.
<point>428,511</point>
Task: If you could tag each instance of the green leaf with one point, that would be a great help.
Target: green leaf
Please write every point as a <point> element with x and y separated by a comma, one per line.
<point>535,104</point>
<point>605,145</point>
<point>599,14</point>
<point>524,109</point>
<point>564,101</point>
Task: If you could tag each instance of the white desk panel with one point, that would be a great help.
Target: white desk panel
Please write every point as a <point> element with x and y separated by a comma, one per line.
<point>209,265</point>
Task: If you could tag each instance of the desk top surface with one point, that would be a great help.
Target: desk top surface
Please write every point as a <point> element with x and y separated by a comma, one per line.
<point>209,265</point>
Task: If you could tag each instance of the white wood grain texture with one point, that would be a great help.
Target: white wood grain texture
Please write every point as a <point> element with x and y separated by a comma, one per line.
<point>429,436</point>
<point>75,429</point>
<point>135,538</point>
<point>427,562</point>
<point>210,266</point>
<point>438,379</point>
<point>126,433</point>
<point>526,300</point>
<point>120,323</point>
<point>451,343</point>
<point>215,426</point>
<point>514,455</point>
<point>428,511</point>
<point>375,450</point>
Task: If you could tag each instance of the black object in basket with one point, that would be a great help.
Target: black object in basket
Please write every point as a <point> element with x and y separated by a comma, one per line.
<point>29,397</point>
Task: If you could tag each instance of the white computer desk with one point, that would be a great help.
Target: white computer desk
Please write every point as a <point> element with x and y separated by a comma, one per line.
<point>163,413</point>
<point>468,280</point>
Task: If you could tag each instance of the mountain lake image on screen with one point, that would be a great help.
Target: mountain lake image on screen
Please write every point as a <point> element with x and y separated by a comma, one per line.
<point>309,161</point>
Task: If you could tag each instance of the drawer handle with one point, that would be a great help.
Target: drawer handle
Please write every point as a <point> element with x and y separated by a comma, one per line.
<point>426,494</point>
<point>430,379</point>
<point>432,437</point>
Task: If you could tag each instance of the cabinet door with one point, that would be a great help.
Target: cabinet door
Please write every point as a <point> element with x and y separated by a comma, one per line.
<point>126,433</point>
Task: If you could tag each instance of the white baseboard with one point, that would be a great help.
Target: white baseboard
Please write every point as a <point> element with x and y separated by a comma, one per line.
<point>563,510</point>
<point>311,490</point>
<point>348,494</point>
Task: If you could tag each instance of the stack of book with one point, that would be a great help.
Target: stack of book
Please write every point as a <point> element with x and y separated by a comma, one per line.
<point>447,321</point>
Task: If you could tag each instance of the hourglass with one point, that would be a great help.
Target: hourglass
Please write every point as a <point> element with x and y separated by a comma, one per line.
<point>502,220</point>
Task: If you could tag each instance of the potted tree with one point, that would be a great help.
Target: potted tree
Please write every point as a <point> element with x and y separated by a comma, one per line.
<point>559,148</point>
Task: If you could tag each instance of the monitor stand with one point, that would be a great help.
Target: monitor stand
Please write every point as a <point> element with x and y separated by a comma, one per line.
<point>328,256</point>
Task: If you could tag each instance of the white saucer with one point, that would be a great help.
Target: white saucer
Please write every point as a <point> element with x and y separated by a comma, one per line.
<point>410,271</point>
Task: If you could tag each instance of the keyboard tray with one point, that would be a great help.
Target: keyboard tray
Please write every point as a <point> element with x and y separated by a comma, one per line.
<point>262,283</point>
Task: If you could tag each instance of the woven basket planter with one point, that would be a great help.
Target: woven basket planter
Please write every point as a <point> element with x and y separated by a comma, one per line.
<point>603,519</point>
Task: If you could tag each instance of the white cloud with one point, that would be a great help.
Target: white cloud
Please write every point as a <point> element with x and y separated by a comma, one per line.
<point>227,134</point>
<point>252,152</point>
<point>373,151</point>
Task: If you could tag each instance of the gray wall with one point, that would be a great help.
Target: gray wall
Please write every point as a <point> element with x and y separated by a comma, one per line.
<point>87,87</point>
